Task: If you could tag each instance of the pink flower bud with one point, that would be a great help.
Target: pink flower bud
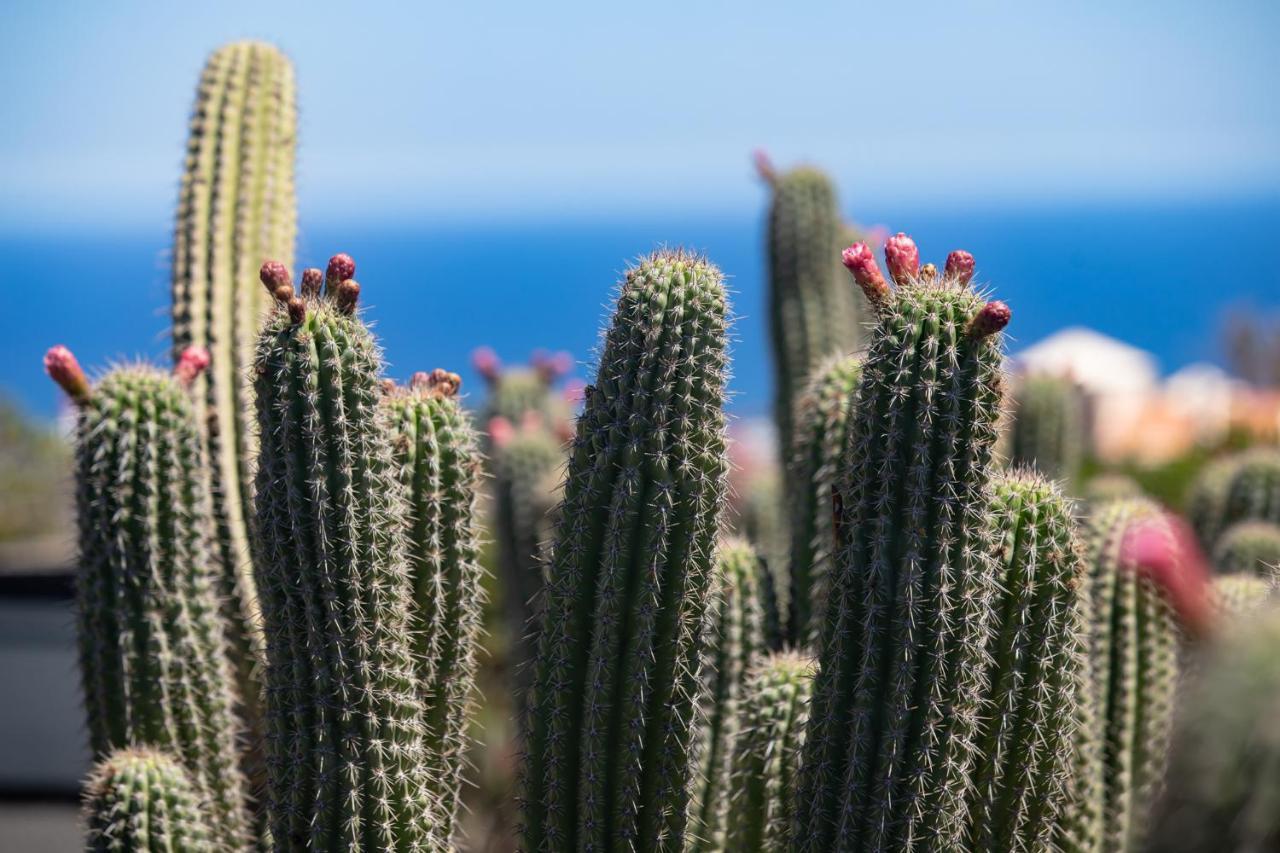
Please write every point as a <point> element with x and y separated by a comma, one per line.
<point>959,267</point>
<point>275,277</point>
<point>902,257</point>
<point>341,267</point>
<point>63,368</point>
<point>347,295</point>
<point>859,260</point>
<point>192,362</point>
<point>486,363</point>
<point>500,431</point>
<point>312,279</point>
<point>991,318</point>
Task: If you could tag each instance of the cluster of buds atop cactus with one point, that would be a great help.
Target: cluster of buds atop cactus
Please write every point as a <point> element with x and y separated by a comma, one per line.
<point>542,387</point>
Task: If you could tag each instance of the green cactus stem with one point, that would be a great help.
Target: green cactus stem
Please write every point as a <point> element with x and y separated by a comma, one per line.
<point>1248,547</point>
<point>766,753</point>
<point>347,755</point>
<point>611,716</point>
<point>897,700</point>
<point>439,465</point>
<point>1241,487</point>
<point>1036,652</point>
<point>735,636</point>
<point>139,800</point>
<point>152,643</point>
<point>1048,429</point>
<point>822,424</point>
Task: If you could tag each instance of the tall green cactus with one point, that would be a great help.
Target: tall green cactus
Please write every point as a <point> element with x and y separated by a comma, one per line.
<point>1037,648</point>
<point>813,313</point>
<point>152,645</point>
<point>898,697</point>
<point>347,756</point>
<point>766,753</point>
<point>236,208</point>
<point>1224,777</point>
<point>610,737</point>
<point>1248,547</point>
<point>439,465</point>
<point>142,801</point>
<point>735,636</point>
<point>822,423</point>
<point>1048,430</point>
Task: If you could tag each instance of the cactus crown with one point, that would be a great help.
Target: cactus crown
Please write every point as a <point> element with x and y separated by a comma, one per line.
<point>138,799</point>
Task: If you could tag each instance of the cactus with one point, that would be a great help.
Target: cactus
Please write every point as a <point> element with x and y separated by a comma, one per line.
<point>439,465</point>
<point>139,800</point>
<point>1036,652</point>
<point>610,723</point>
<point>761,520</point>
<point>1239,594</point>
<point>897,699</point>
<point>813,312</point>
<point>1248,547</point>
<point>515,392</point>
<point>822,421</point>
<point>1206,500</point>
<point>152,646</point>
<point>766,753</point>
<point>1224,776</point>
<point>735,635</point>
<point>1241,487</point>
<point>1048,427</point>
<point>236,208</point>
<point>347,757</point>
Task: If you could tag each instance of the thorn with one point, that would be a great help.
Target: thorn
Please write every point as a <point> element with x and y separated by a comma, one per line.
<point>902,257</point>
<point>866,272</point>
<point>312,278</point>
<point>192,362</point>
<point>348,294</point>
<point>275,277</point>
<point>991,318</point>
<point>764,166</point>
<point>63,368</point>
<point>959,267</point>
<point>341,267</point>
<point>486,363</point>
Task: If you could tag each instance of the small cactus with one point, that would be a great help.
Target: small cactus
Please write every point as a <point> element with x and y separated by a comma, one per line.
<point>609,746</point>
<point>766,753</point>
<point>138,800</point>
<point>347,756</point>
<point>1239,594</point>
<point>822,420</point>
<point>1036,652</point>
<point>1048,430</point>
<point>898,696</point>
<point>735,636</point>
<point>1248,547</point>
<point>439,466</point>
<point>1242,487</point>
<point>152,643</point>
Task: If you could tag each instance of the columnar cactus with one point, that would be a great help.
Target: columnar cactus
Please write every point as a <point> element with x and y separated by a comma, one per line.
<point>236,207</point>
<point>822,422</point>
<point>1224,777</point>
<point>766,753</point>
<point>735,636</point>
<point>142,801</point>
<point>1206,500</point>
<point>1242,487</point>
<point>152,644</point>
<point>347,756</point>
<point>1248,547</point>
<point>439,466</point>
<point>1048,429</point>
<point>813,313</point>
<point>1036,652</point>
<point>898,697</point>
<point>610,736</point>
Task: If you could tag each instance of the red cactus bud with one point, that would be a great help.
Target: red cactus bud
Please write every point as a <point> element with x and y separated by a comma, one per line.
<point>192,362</point>
<point>63,368</point>
<point>297,310</point>
<point>959,267</point>
<point>859,260</point>
<point>764,166</point>
<point>348,294</point>
<point>387,386</point>
<point>312,278</point>
<point>486,363</point>
<point>500,431</point>
<point>275,277</point>
<point>420,379</point>
<point>341,267</point>
<point>991,318</point>
<point>1165,551</point>
<point>902,257</point>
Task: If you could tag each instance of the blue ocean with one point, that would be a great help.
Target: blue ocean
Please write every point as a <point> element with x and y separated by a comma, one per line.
<point>1160,276</point>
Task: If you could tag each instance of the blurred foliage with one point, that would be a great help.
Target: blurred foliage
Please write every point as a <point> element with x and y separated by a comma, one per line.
<point>1252,343</point>
<point>34,467</point>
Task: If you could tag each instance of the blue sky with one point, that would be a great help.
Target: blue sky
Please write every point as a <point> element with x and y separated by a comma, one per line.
<point>569,110</point>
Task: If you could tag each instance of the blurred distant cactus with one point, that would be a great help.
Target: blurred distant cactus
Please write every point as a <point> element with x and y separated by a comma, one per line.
<point>1238,594</point>
<point>735,636</point>
<point>1109,487</point>
<point>822,421</point>
<point>1048,428</point>
<point>152,645</point>
<point>515,392</point>
<point>142,801</point>
<point>1250,547</point>
<point>439,465</point>
<point>1241,487</point>
<point>609,748</point>
<point>897,701</point>
<point>236,208</point>
<point>762,521</point>
<point>348,758</point>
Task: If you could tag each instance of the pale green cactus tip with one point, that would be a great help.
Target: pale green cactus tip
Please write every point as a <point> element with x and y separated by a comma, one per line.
<point>139,799</point>
<point>1248,547</point>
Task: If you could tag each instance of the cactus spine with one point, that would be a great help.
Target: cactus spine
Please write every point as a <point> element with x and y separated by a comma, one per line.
<point>1248,547</point>
<point>152,645</point>
<point>735,636</point>
<point>897,699</point>
<point>1224,777</point>
<point>1048,427</point>
<point>822,422</point>
<point>439,463</point>
<point>1036,652</point>
<point>142,801</point>
<point>347,757</point>
<point>766,753</point>
<point>236,208</point>
<point>611,715</point>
